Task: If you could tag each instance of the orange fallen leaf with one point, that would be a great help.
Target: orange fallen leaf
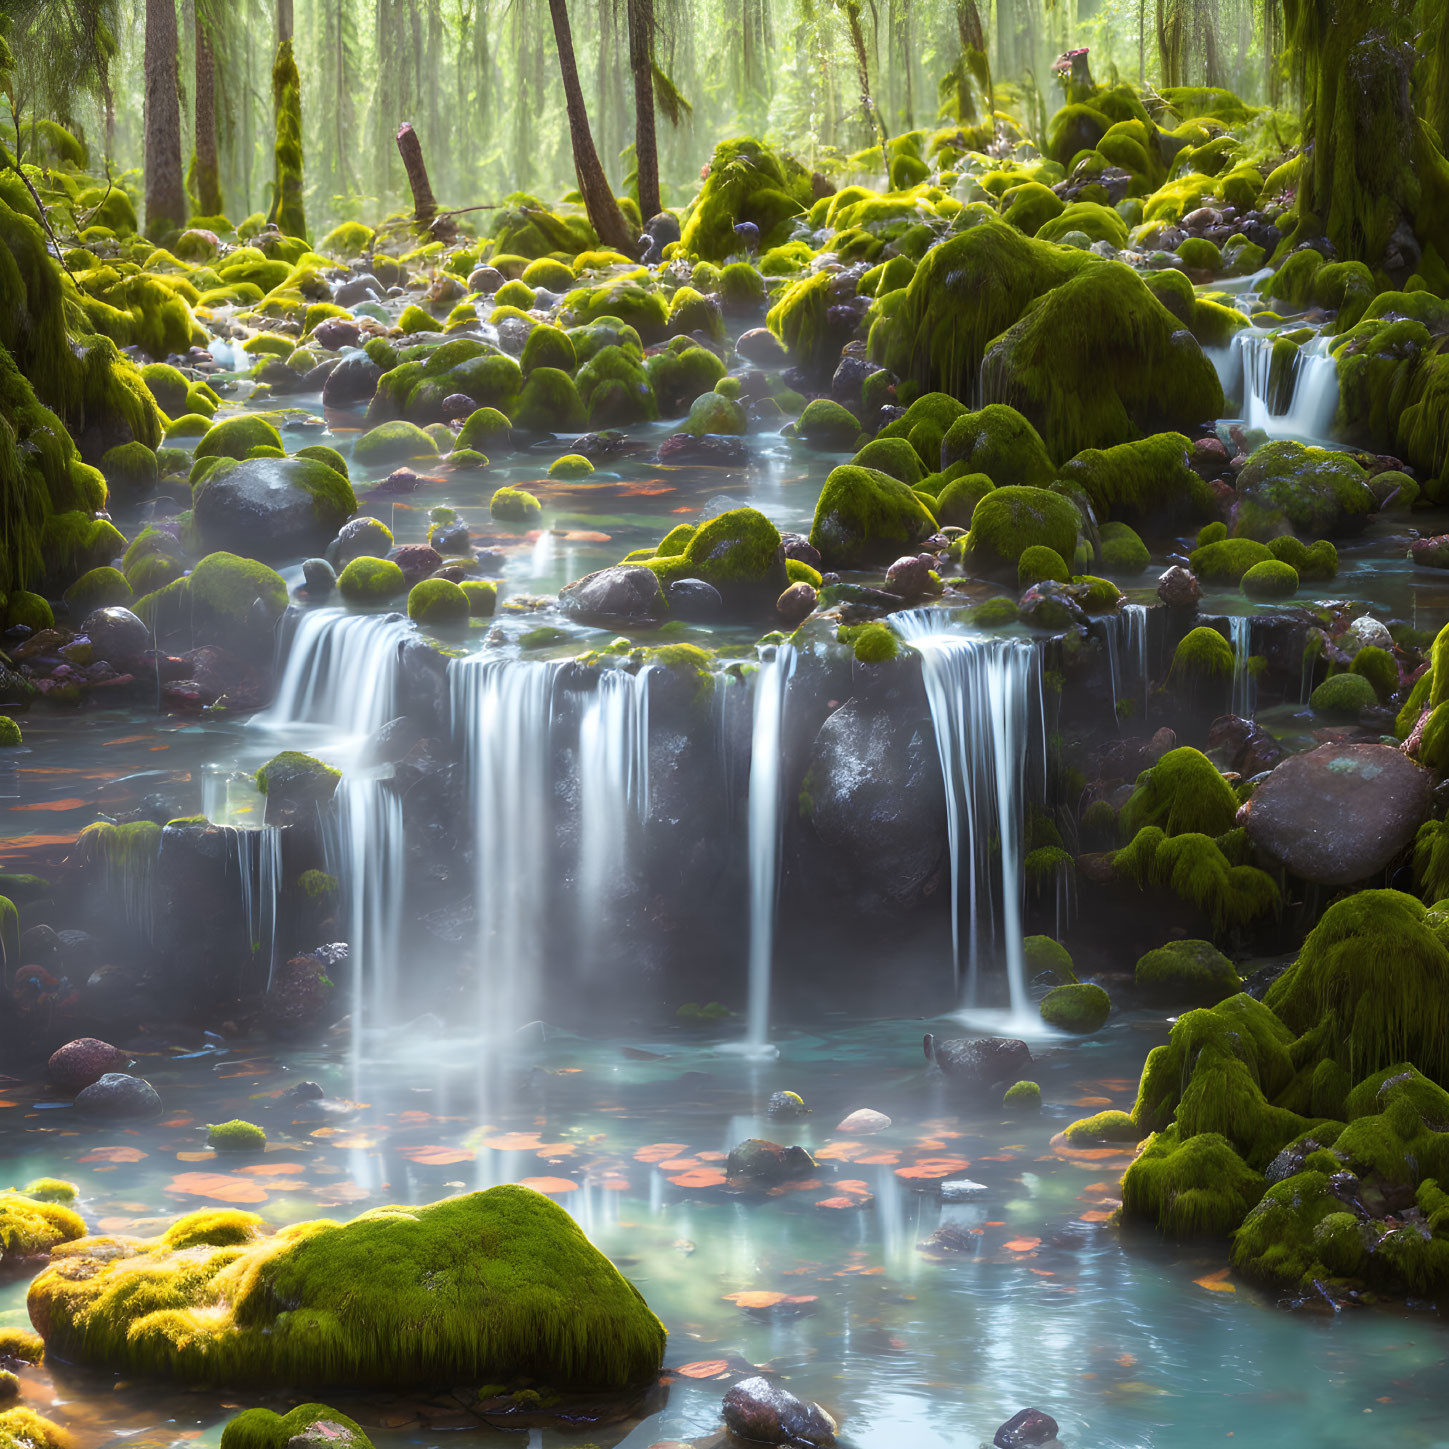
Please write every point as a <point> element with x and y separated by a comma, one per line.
<point>1022,1245</point>
<point>841,1202</point>
<point>554,1185</point>
<point>1216,1282</point>
<point>758,1298</point>
<point>513,1142</point>
<point>841,1151</point>
<point>659,1151</point>
<point>274,1169</point>
<point>1126,1360</point>
<point>678,1164</point>
<point>1096,1215</point>
<point>928,1169</point>
<point>68,804</point>
<point>879,1159</point>
<point>700,1177</point>
<point>706,1368</point>
<point>221,1186</point>
<point>436,1156</point>
<point>113,1154</point>
<point>206,1156</point>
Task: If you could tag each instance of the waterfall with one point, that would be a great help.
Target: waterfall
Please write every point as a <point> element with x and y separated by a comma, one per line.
<point>371,848</point>
<point>979,689</point>
<point>341,670</point>
<point>1126,635</point>
<point>613,793</point>
<point>1299,402</point>
<point>1245,687</point>
<point>777,665</point>
<point>503,710</point>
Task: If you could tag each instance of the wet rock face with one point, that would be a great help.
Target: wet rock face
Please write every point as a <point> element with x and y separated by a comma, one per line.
<point>1026,1428</point>
<point>876,805</point>
<point>1245,745</point>
<point>79,1063</point>
<point>755,1160</point>
<point>757,1410</point>
<point>975,1064</point>
<point>623,594</point>
<point>118,1097</point>
<point>117,635</point>
<point>1339,814</point>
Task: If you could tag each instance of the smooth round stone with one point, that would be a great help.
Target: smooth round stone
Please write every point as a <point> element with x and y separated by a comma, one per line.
<point>863,1122</point>
<point>87,1059</point>
<point>118,1096</point>
<point>117,635</point>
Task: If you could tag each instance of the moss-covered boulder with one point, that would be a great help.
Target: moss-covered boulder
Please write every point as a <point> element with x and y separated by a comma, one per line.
<point>738,552</point>
<point>1187,973</point>
<point>30,1227</point>
<point>1182,793</point>
<point>1313,491</point>
<point>271,508</point>
<point>236,1135</point>
<point>864,516</point>
<point>313,1425</point>
<point>1080,1007</point>
<point>746,182</point>
<point>438,603</point>
<point>296,786</point>
<point>367,582</point>
<point>393,442</point>
<point>235,437</point>
<point>997,441</point>
<point>1147,482</point>
<point>1008,521</point>
<point>493,1287</point>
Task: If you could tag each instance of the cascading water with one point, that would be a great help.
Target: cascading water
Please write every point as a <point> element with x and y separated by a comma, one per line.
<point>503,711</point>
<point>1296,398</point>
<point>1245,686</point>
<point>777,666</point>
<point>979,690</point>
<point>1126,634</point>
<point>613,791</point>
<point>341,670</point>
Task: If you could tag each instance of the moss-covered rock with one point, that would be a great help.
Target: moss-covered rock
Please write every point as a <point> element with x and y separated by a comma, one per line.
<point>485,431</point>
<point>1185,972</point>
<point>1343,696</point>
<point>1147,482</point>
<point>271,508</point>
<point>1048,961</point>
<point>370,581</point>
<point>1310,490</point>
<point>825,424</point>
<point>1270,579</point>
<point>997,441</point>
<point>522,1295</point>
<point>514,505</point>
<point>262,1429</point>
<point>236,1135</point>
<point>1080,1007</point>
<point>235,437</point>
<point>438,603</point>
<point>864,516</point>
<point>30,1227</point>
<point>1008,521</point>
<point>393,442</point>
<point>1183,792</point>
<point>295,785</point>
<point>98,589</point>
<point>739,552</point>
<point>1226,560</point>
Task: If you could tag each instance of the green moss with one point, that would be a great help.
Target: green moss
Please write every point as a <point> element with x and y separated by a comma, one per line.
<point>486,431</point>
<point>1187,973</point>
<point>1191,1187</point>
<point>29,611</point>
<point>98,589</point>
<point>226,593</point>
<point>1038,564</point>
<point>294,778</point>
<point>715,412</point>
<point>21,1344</point>
<point>872,643</point>
<point>1143,482</point>
<point>317,885</point>
<point>515,505</point>
<point>495,1286</point>
<point>393,442</point>
<point>825,424</point>
<point>29,1228</point>
<point>1022,1097</point>
<point>1109,1126</point>
<point>10,737</point>
<point>1048,959</point>
<point>1008,521</point>
<point>1270,579</point>
<point>570,465</point>
<point>235,437</point>
<point>262,1429</point>
<point>956,502</point>
<point>1228,559</point>
<point>894,456</point>
<point>438,602</point>
<point>615,389</point>
<point>1343,696</point>
<point>235,1136</point>
<point>747,181</point>
<point>482,596</point>
<point>1311,490</point>
<point>1123,551</point>
<point>865,516</point>
<point>50,1189</point>
<point>1183,792</point>
<point>1078,1007</point>
<point>999,442</point>
<point>677,377</point>
<point>25,1429</point>
<point>369,580</point>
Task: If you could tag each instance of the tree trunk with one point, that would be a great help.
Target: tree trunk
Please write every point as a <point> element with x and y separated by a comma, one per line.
<point>165,185</point>
<point>641,62</point>
<point>604,214</point>
<point>208,170</point>
<point>284,20</point>
<point>425,206</point>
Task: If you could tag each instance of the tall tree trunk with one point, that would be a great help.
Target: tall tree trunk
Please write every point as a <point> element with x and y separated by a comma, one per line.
<point>284,20</point>
<point>603,209</point>
<point>165,187</point>
<point>208,170</point>
<point>425,206</point>
<point>288,208</point>
<point>641,62</point>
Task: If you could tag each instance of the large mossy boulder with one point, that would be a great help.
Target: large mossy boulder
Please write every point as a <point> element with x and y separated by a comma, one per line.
<point>1099,361</point>
<point>864,516</point>
<point>1147,482</point>
<point>746,182</point>
<point>1008,521</point>
<point>271,508</point>
<point>495,1287</point>
<point>1313,491</point>
<point>999,442</point>
<point>739,553</point>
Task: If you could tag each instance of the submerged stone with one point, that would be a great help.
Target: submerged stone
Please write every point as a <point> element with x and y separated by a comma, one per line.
<point>764,1413</point>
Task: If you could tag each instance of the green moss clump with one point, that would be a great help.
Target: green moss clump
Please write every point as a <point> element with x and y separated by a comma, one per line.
<point>1123,551</point>
<point>1379,667</point>
<point>615,389</point>
<point>321,453</point>
<point>864,516</point>
<point>296,778</point>
<point>956,502</point>
<point>825,424</point>
<point>486,431</point>
<point>1310,490</point>
<point>1038,564</point>
<point>1048,960</point>
<point>1008,521</point>
<point>482,596</point>
<point>25,1429</point>
<point>515,505</point>
<point>29,1228</point>
<point>1187,972</point>
<point>235,437</point>
<point>1022,1097</point>
<point>1079,1007</point>
<point>393,442</point>
<point>98,589</point>
<point>1270,579</point>
<point>1000,443</point>
<point>1146,482</point>
<point>894,456</point>
<point>369,580</point>
<point>22,1345</point>
<point>235,1136</point>
<point>678,375</point>
<point>10,733</point>
<point>871,643</point>
<point>499,1286</point>
<point>747,182</point>
<point>549,346</point>
<point>715,412</point>
<point>437,602</point>
<point>1183,792</point>
<point>317,885</point>
<point>28,610</point>
<point>570,465</point>
<point>262,1429</point>
<point>1202,658</point>
<point>1191,1187</point>
<point>50,1189</point>
<point>1343,696</point>
<point>1227,560</point>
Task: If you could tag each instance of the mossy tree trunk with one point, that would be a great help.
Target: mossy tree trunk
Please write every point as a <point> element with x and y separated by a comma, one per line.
<point>208,169</point>
<point>165,185</point>
<point>599,200</point>
<point>288,211</point>
<point>641,63</point>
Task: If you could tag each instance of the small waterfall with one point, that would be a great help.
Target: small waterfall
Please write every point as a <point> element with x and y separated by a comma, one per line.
<point>341,670</point>
<point>371,848</point>
<point>1126,635</point>
<point>259,861</point>
<point>503,709</point>
<point>777,666</point>
<point>613,790</point>
<point>1296,400</point>
<point>1245,686</point>
<point>979,690</point>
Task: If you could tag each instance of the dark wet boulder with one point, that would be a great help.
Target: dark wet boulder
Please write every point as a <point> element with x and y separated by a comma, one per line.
<point>300,1000</point>
<point>319,577</point>
<point>361,288</point>
<point>416,560</point>
<point>787,1104</point>
<point>976,1064</point>
<point>119,1097</point>
<point>764,1413</point>
<point>759,1161</point>
<point>117,636</point>
<point>352,382</point>
<point>695,600</point>
<point>296,786</point>
<point>795,604</point>
<point>875,806</point>
<point>720,450</point>
<point>1244,745</point>
<point>79,1063</point>
<point>619,595</point>
<point>1187,973</point>
<point>335,333</point>
<point>1339,814</point>
<point>1178,588</point>
<point>759,345</point>
<point>1025,1429</point>
<point>271,508</point>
